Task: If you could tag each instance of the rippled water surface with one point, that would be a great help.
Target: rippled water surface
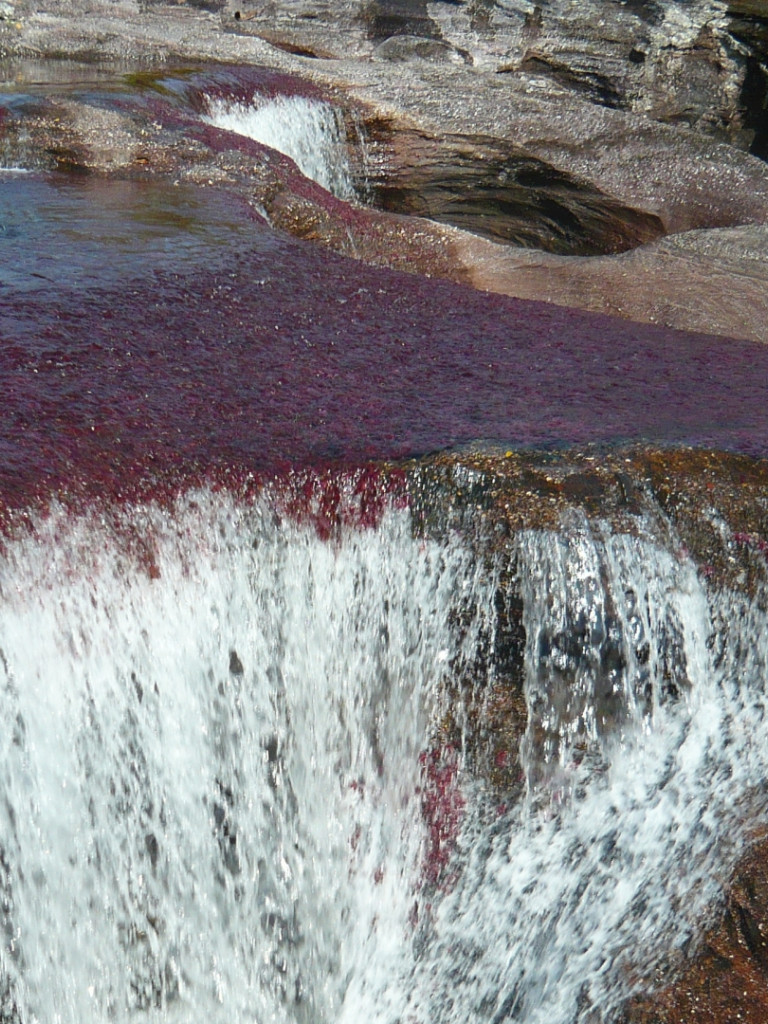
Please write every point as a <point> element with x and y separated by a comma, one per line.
<point>145,328</point>
<point>80,232</point>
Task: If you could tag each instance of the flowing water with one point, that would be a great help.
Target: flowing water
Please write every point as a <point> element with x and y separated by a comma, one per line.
<point>644,754</point>
<point>217,800</point>
<point>309,131</point>
<point>233,788</point>
<point>211,772</point>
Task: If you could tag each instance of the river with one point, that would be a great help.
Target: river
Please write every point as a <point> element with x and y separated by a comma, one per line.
<point>230,648</point>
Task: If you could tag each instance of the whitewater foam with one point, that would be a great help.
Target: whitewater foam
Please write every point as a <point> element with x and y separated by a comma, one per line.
<point>212,760</point>
<point>644,756</point>
<point>214,785</point>
<point>308,131</point>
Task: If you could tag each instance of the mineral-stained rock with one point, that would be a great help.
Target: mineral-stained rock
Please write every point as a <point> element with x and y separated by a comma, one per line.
<point>727,978</point>
<point>678,175</point>
<point>673,61</point>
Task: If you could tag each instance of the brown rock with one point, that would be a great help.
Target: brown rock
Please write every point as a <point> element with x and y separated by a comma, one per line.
<point>727,979</point>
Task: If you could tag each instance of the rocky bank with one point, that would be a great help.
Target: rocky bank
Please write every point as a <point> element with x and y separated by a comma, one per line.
<point>606,158</point>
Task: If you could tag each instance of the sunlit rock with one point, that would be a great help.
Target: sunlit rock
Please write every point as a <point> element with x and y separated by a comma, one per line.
<point>574,131</point>
<point>710,280</point>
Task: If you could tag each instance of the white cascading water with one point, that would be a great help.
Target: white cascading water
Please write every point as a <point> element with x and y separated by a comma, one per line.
<point>210,771</point>
<point>645,757</point>
<point>308,131</point>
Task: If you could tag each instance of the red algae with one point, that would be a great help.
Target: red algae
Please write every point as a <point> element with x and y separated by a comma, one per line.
<point>192,87</point>
<point>166,357</point>
<point>442,807</point>
<point>336,499</point>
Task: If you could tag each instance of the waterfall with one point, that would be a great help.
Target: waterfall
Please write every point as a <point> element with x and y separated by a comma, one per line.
<point>308,131</point>
<point>644,757</point>
<point>210,766</point>
<point>225,750</point>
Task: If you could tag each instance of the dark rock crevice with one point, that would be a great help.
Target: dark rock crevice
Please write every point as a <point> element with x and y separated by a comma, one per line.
<point>385,18</point>
<point>590,78</point>
<point>754,97</point>
<point>496,190</point>
<point>748,28</point>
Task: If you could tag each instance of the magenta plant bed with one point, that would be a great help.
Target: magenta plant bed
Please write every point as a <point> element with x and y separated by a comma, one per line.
<point>150,336</point>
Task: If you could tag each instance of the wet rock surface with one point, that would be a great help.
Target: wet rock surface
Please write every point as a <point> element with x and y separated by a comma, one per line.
<point>712,280</point>
<point>728,978</point>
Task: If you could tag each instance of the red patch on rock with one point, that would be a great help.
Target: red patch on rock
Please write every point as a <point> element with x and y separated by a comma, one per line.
<point>442,805</point>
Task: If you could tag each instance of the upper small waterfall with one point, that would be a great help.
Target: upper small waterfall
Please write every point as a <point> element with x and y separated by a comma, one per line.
<point>309,131</point>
